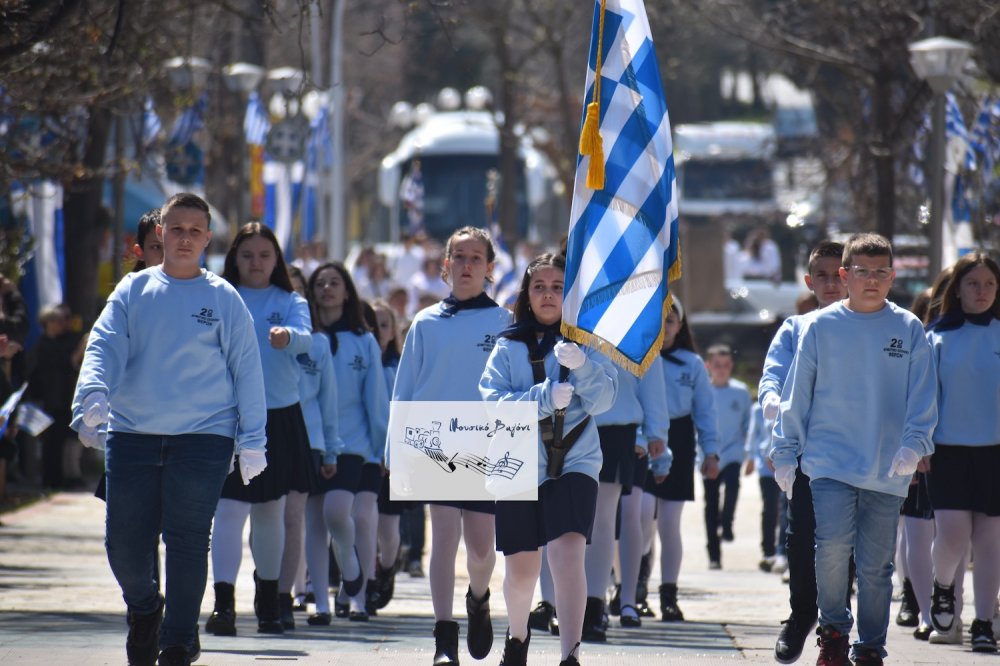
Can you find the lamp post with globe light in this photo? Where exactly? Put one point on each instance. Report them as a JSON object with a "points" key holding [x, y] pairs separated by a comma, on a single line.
{"points": [[938, 61]]}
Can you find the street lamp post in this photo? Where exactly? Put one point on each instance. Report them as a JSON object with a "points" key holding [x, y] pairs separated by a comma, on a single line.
{"points": [[242, 78], [938, 61]]}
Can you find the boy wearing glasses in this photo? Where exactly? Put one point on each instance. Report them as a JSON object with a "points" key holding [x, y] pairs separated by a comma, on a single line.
{"points": [[859, 406]]}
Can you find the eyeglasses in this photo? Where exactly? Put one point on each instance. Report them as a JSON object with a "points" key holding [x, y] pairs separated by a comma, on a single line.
{"points": [[879, 274]]}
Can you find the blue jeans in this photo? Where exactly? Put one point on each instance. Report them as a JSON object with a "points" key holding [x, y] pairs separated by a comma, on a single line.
{"points": [[850, 518], [170, 485]]}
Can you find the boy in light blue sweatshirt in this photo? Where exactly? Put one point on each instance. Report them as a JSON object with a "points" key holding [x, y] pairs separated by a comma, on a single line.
{"points": [[172, 380], [732, 413], [859, 406]]}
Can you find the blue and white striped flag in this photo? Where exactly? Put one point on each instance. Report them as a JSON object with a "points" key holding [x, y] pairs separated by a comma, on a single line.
{"points": [[256, 121], [319, 158], [622, 242], [985, 135], [954, 128]]}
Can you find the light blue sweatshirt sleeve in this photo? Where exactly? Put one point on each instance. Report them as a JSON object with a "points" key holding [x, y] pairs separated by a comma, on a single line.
{"points": [[243, 358], [106, 353], [376, 400], [759, 440], [796, 403], [921, 397], [653, 398], [496, 383], [703, 412], [410, 364], [299, 326], [595, 383], [327, 399], [778, 360]]}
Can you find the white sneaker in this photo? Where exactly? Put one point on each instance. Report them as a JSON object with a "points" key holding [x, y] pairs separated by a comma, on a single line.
{"points": [[780, 565], [951, 637]]}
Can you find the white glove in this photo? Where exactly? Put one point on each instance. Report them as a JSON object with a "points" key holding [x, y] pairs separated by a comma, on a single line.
{"points": [[562, 393], [784, 476], [92, 438], [252, 463], [95, 409], [904, 463], [770, 406], [569, 354]]}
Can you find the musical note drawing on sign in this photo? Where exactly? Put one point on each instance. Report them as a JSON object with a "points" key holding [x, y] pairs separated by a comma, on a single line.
{"points": [[428, 442], [506, 467]]}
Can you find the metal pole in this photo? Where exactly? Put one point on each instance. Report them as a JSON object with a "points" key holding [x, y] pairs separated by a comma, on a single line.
{"points": [[335, 235], [118, 190], [937, 187], [315, 44]]}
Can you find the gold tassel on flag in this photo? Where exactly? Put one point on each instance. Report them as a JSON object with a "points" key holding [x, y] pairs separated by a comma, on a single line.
{"points": [[591, 142]]}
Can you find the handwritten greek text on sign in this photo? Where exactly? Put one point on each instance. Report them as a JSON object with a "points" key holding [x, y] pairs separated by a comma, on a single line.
{"points": [[463, 451]]}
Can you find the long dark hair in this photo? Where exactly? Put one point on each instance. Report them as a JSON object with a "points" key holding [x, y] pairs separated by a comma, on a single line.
{"points": [[950, 302], [684, 338], [522, 306], [394, 349], [279, 276], [353, 317]]}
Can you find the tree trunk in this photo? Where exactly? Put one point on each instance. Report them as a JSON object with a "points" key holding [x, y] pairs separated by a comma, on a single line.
{"points": [[85, 221], [885, 163], [508, 141]]}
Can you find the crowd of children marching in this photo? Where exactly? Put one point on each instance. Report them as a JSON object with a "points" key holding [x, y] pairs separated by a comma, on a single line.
{"points": [[264, 394]]}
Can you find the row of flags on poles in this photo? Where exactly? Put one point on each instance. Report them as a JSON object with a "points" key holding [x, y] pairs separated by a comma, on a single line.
{"points": [[970, 153]]}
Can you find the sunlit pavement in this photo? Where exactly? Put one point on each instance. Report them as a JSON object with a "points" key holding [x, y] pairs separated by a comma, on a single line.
{"points": [[60, 605]]}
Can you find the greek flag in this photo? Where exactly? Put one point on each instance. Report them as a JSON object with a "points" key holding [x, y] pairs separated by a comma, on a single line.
{"points": [[622, 242], [985, 135], [319, 157], [954, 128], [256, 121], [189, 122]]}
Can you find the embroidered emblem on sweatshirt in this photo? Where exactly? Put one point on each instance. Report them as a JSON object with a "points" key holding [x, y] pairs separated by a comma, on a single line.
{"points": [[275, 318], [488, 343], [358, 364], [686, 380]]}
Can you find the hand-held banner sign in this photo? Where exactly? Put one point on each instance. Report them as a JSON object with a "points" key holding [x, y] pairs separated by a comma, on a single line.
{"points": [[622, 248]]}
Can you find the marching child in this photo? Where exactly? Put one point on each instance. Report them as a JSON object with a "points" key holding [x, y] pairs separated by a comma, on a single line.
{"points": [[255, 265], [443, 358], [861, 421], [174, 352], [526, 366], [732, 409], [823, 280]]}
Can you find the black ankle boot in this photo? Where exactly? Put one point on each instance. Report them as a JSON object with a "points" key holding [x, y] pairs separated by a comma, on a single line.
{"points": [[594, 628], [515, 652], [909, 609], [385, 583], [371, 598], [265, 605], [222, 622], [285, 612], [668, 603], [445, 643], [642, 588], [479, 638], [142, 644], [615, 605]]}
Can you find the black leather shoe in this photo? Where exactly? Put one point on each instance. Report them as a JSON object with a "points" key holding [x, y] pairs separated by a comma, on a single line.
{"points": [[445, 643], [174, 656], [515, 652], [792, 638], [222, 622], [539, 618], [285, 612], [318, 620], [594, 629], [629, 617]]}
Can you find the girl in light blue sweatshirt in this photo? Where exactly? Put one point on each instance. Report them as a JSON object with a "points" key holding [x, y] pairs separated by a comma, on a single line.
{"points": [[349, 490], [691, 408], [562, 518], [255, 265], [443, 358], [965, 346]]}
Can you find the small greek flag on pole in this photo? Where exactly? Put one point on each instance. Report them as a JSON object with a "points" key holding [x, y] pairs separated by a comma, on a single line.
{"points": [[622, 245]]}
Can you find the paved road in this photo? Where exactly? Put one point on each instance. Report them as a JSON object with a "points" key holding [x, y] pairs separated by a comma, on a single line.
{"points": [[60, 605]]}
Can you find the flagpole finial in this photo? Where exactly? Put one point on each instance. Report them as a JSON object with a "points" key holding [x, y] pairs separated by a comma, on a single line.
{"points": [[591, 142]]}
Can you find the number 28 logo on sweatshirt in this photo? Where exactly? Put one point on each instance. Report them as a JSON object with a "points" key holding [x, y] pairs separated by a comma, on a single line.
{"points": [[895, 348], [205, 316]]}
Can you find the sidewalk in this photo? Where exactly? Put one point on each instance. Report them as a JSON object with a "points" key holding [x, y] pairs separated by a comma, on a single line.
{"points": [[60, 605]]}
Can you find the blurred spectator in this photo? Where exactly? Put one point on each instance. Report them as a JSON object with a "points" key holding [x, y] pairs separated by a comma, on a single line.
{"points": [[410, 258], [310, 255], [14, 313], [51, 381], [428, 281], [760, 257], [378, 282], [399, 301]]}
